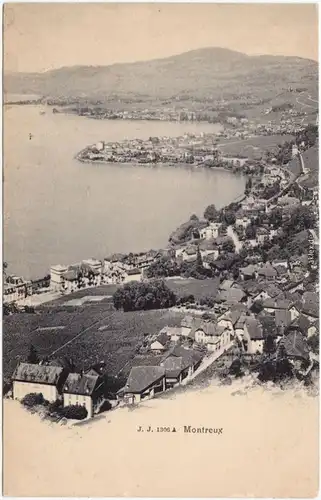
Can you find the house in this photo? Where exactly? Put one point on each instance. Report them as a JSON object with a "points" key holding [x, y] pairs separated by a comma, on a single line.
{"points": [[188, 323], [159, 344], [242, 220], [210, 258], [204, 332], [56, 279], [221, 339], [176, 369], [282, 319], [191, 357], [211, 231], [253, 335], [133, 275], [303, 324], [70, 280], [94, 265], [262, 234], [30, 378], [83, 389], [310, 306], [295, 346], [172, 332], [232, 296], [189, 254], [248, 272], [143, 383], [267, 272], [271, 305], [15, 289]]}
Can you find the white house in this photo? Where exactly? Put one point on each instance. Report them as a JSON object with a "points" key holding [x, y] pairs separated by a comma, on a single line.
{"points": [[41, 379], [133, 275], [211, 231], [83, 390], [56, 276]]}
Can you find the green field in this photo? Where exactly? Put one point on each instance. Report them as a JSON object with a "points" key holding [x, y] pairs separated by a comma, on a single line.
{"points": [[115, 343]]}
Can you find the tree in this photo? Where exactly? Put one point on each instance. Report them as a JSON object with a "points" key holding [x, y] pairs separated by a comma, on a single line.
{"points": [[269, 345], [229, 218], [33, 355], [74, 412], [210, 213], [137, 296], [250, 232], [228, 246], [283, 367]]}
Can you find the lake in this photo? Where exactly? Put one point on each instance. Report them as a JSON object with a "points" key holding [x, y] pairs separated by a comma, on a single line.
{"points": [[60, 211]]}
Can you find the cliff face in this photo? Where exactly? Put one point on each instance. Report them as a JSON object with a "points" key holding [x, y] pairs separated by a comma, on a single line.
{"points": [[198, 74]]}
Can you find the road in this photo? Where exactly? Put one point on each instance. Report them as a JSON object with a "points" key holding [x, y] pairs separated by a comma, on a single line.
{"points": [[207, 361], [232, 234]]}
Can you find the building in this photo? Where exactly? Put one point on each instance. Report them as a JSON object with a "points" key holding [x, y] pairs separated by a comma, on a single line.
{"points": [[133, 275], [253, 335], [56, 276], [143, 383], [159, 344], [83, 389], [15, 289], [176, 369], [41, 379], [211, 231]]}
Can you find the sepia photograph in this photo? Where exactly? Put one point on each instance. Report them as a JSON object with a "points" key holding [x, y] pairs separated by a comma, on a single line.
{"points": [[160, 284]]}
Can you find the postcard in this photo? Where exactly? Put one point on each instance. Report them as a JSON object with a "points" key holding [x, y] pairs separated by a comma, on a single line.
{"points": [[161, 244]]}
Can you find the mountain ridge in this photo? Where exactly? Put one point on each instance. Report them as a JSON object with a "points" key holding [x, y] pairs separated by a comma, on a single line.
{"points": [[198, 73]]}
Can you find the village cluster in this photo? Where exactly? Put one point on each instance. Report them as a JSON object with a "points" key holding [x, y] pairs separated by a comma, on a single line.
{"points": [[261, 305]]}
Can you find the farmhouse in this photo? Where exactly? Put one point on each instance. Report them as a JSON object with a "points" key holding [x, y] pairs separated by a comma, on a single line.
{"points": [[83, 390], [41, 379], [143, 382]]}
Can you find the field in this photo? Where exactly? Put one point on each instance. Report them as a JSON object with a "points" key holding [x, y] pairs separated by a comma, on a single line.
{"points": [[107, 290], [109, 336], [198, 288], [252, 148]]}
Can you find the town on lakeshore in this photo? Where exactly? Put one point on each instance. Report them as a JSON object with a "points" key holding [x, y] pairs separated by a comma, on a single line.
{"points": [[232, 295]]}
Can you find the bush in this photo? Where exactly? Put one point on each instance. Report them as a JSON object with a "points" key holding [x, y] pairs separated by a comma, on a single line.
{"points": [[55, 406], [74, 412], [33, 399], [106, 406]]}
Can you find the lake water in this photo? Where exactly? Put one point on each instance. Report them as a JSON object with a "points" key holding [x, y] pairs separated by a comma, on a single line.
{"points": [[58, 210]]}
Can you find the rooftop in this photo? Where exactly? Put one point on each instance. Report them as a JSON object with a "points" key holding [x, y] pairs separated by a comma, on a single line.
{"points": [[80, 384], [142, 377], [39, 374]]}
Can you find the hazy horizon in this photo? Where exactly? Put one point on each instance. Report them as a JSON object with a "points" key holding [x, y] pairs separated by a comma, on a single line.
{"points": [[43, 37]]}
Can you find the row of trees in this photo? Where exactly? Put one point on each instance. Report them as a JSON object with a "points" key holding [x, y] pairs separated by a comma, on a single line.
{"points": [[137, 296]]}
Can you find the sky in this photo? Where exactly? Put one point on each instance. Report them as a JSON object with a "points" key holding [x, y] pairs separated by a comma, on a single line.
{"points": [[39, 37]]}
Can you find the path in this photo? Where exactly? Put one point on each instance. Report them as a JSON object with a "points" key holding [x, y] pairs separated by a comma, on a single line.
{"points": [[76, 337], [206, 362], [232, 234]]}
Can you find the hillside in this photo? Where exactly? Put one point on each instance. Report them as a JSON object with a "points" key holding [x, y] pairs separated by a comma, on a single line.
{"points": [[202, 74]]}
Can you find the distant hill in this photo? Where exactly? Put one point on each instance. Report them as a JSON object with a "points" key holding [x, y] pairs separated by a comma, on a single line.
{"points": [[198, 74]]}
